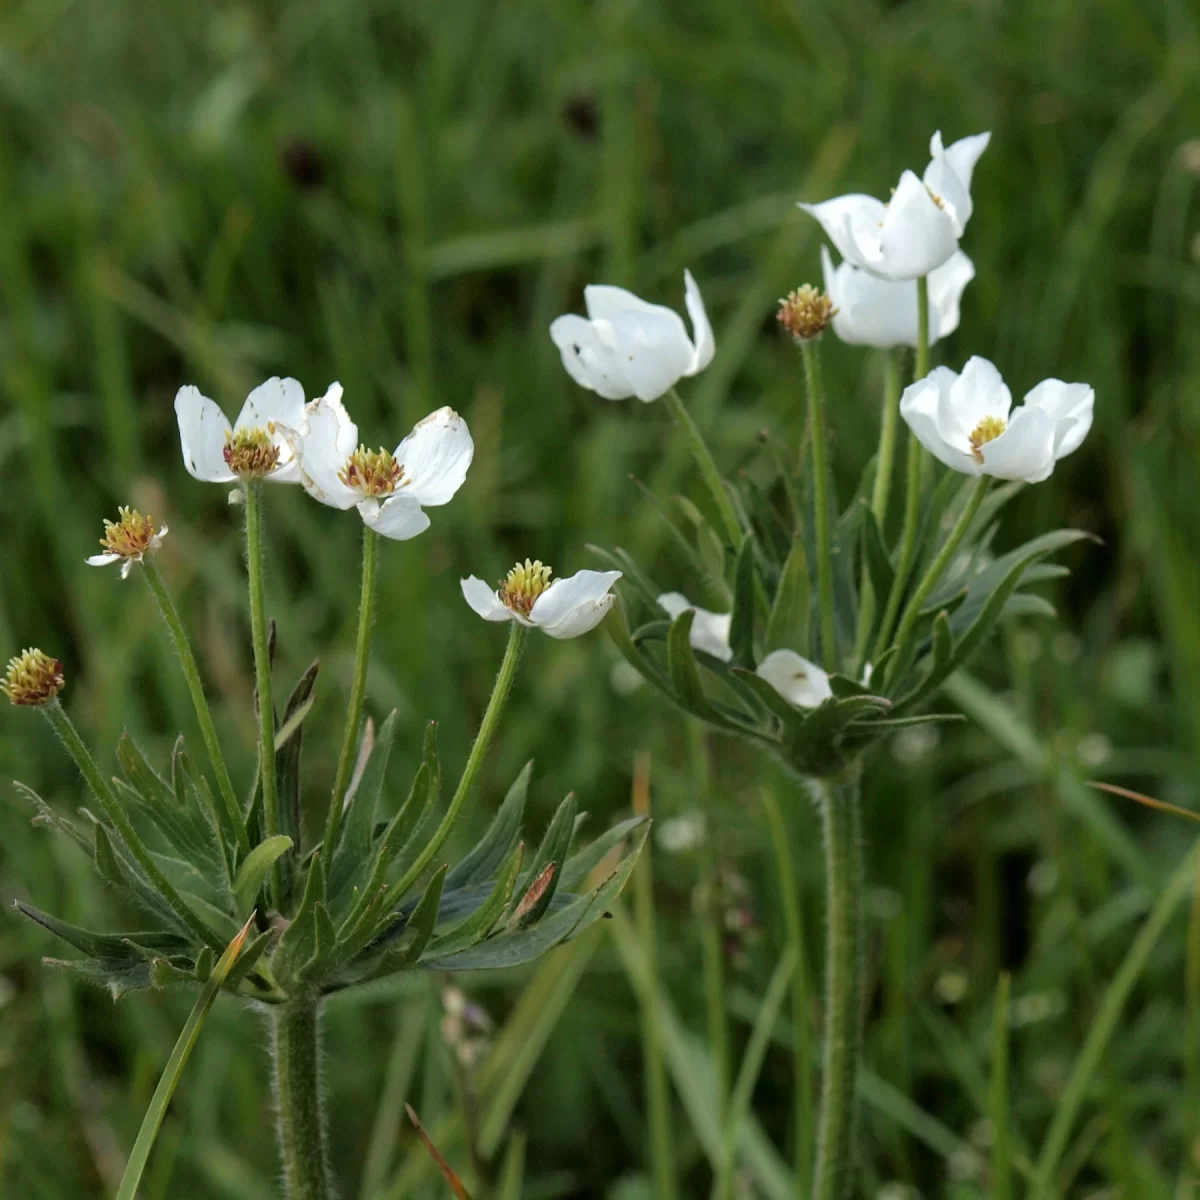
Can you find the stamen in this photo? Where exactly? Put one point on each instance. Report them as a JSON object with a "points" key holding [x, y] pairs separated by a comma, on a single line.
{"points": [[32, 678], [372, 472], [986, 431], [132, 536], [250, 453], [525, 583], [806, 312]]}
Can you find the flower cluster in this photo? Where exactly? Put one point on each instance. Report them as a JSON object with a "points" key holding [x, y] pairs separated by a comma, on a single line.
{"points": [[32, 678]]}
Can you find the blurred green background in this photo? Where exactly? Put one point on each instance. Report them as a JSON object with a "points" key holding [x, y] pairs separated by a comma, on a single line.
{"points": [[401, 197]]}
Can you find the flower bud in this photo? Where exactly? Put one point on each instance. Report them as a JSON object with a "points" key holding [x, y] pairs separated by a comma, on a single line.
{"points": [[806, 313], [32, 678]]}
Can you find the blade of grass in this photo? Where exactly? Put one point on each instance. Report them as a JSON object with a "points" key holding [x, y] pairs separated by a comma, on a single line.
{"points": [[998, 1100]]}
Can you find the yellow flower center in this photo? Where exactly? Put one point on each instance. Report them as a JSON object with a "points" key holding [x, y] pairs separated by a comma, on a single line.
{"points": [[372, 472], [250, 453], [806, 312], [525, 583], [936, 199], [32, 678], [131, 536], [986, 431]]}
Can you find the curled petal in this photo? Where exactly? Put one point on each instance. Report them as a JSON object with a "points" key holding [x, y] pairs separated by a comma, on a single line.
{"points": [[278, 401], [797, 680], [953, 196], [202, 431], [946, 286], [977, 394], [484, 601], [1025, 450], [964, 154], [710, 630], [328, 439], [102, 560], [604, 302], [1069, 406], [918, 236], [854, 224], [581, 619], [435, 457], [563, 596], [399, 517], [653, 348], [705, 345], [589, 360]]}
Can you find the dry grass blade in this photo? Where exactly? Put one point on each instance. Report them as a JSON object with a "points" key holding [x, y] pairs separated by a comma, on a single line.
{"points": [[1148, 801], [446, 1169]]}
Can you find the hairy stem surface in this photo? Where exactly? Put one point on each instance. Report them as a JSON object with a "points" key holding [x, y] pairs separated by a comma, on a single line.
{"points": [[299, 1103]]}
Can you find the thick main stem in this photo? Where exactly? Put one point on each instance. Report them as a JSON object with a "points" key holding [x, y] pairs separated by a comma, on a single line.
{"points": [[838, 801], [299, 1100], [262, 672], [708, 468], [810, 350], [483, 740], [191, 673], [358, 688]]}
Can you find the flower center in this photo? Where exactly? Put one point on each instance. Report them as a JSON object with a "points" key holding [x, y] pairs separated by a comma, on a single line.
{"points": [[372, 472], [936, 199], [986, 431], [525, 583], [250, 453], [131, 536], [32, 678], [806, 312]]}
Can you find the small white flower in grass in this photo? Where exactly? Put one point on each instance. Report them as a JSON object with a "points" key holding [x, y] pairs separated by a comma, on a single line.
{"points": [[128, 540], [565, 608], [882, 312], [919, 228], [710, 630], [626, 347], [967, 421], [257, 446], [389, 488], [797, 680]]}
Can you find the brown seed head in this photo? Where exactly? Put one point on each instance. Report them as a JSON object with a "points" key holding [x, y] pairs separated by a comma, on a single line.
{"points": [[806, 313], [32, 678]]}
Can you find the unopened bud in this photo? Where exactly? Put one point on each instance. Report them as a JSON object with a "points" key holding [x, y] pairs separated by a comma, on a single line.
{"points": [[806, 313]]}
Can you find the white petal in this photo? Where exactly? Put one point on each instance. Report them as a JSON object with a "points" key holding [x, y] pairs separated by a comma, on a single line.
{"points": [[101, 560], [920, 407], [917, 235], [702, 334], [871, 311], [127, 566], [854, 224], [1070, 406], [964, 154], [797, 680], [484, 600], [590, 361], [977, 394], [328, 439], [202, 430], [583, 618], [278, 401], [942, 180], [435, 457], [710, 630], [558, 601], [398, 517], [653, 347], [1025, 450], [946, 286], [603, 302]]}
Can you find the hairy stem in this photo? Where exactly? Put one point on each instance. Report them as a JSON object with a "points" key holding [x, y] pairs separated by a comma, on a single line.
{"points": [[262, 672], [199, 701], [708, 468], [838, 801], [299, 1102], [483, 740], [358, 688], [810, 350]]}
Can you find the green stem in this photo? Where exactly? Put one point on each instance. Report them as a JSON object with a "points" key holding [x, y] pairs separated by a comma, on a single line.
{"points": [[793, 922], [262, 672], [838, 801], [69, 736], [483, 740], [938, 568], [810, 351], [708, 468], [358, 688], [299, 1103], [885, 460], [199, 701], [921, 367]]}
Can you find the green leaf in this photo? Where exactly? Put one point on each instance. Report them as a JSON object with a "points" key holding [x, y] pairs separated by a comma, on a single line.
{"points": [[879, 567], [249, 958], [580, 866], [481, 922], [621, 560], [153, 1119], [741, 631], [422, 922], [253, 872], [552, 852], [787, 626], [358, 821], [1027, 604], [45, 815], [685, 676], [497, 844], [324, 943], [106, 859], [289, 748], [130, 947], [770, 697], [299, 940], [140, 774], [618, 629]]}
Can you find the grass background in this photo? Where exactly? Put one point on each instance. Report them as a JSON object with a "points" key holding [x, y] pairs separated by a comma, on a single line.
{"points": [[402, 197]]}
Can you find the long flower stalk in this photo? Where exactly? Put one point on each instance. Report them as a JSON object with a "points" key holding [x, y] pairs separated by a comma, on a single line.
{"points": [[810, 351], [707, 467], [299, 1103]]}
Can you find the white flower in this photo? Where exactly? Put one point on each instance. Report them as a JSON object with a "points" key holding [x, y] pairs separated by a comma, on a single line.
{"points": [[797, 680], [919, 228], [257, 446], [883, 313], [710, 630], [128, 540], [964, 421], [627, 347], [563, 609], [388, 487]]}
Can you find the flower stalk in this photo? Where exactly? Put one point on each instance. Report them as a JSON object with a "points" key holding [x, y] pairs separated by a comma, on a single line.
{"points": [[837, 798], [191, 673], [299, 1102], [358, 688], [704, 461], [262, 672], [810, 351]]}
